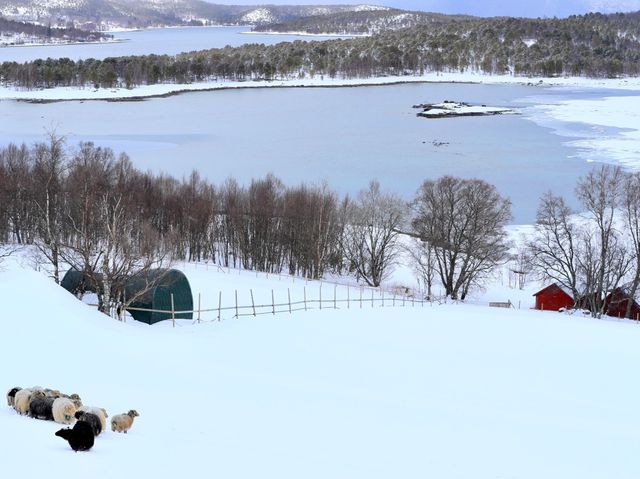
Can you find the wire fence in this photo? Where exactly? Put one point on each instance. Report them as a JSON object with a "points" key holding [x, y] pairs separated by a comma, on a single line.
{"points": [[301, 298], [236, 310]]}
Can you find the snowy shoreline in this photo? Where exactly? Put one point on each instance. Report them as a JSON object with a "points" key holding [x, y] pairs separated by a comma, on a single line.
{"points": [[612, 127], [59, 44], [167, 89]]}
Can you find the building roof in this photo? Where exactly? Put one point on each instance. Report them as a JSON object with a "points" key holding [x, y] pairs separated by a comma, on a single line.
{"points": [[564, 289]]}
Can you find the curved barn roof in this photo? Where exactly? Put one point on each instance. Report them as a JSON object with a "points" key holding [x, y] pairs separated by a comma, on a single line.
{"points": [[147, 290]]}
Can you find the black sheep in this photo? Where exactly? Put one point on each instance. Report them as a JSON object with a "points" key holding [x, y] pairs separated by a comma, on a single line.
{"points": [[80, 438], [42, 408], [92, 420], [11, 396]]}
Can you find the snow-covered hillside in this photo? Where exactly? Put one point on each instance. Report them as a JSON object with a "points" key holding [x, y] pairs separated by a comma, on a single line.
{"points": [[103, 14], [258, 15], [447, 391]]}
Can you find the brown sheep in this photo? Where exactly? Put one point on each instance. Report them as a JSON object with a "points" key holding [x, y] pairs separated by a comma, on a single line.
{"points": [[123, 422]]}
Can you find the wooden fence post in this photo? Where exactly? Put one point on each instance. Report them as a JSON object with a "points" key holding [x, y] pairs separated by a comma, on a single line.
{"points": [[289, 297], [273, 304], [320, 295], [219, 303], [199, 308], [382, 291], [237, 316], [173, 312], [304, 290], [335, 287], [360, 297], [253, 304], [372, 298], [348, 296]]}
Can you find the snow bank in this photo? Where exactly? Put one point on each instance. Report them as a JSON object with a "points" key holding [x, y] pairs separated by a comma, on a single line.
{"points": [[614, 127], [445, 391]]}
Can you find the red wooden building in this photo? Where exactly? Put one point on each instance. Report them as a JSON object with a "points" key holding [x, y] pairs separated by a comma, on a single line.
{"points": [[552, 298], [616, 304]]}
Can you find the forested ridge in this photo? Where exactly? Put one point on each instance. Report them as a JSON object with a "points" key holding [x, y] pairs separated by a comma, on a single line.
{"points": [[593, 45], [105, 14], [359, 22]]}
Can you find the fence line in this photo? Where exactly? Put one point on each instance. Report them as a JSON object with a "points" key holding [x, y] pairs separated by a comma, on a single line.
{"points": [[273, 308], [377, 299]]}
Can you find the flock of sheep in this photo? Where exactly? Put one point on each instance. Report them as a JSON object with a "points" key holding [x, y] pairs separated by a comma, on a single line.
{"points": [[52, 405]]}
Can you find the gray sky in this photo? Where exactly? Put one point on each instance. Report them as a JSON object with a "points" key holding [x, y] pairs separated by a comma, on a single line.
{"points": [[525, 8]]}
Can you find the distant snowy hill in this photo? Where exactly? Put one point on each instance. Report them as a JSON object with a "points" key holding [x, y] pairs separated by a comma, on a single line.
{"points": [[449, 391], [104, 14], [359, 21]]}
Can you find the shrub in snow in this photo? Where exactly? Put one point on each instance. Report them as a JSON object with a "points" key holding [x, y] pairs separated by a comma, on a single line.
{"points": [[123, 422], [64, 410], [11, 396], [80, 438], [91, 419]]}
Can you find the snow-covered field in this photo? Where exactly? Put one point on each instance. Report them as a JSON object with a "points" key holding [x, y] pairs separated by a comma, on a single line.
{"points": [[446, 391]]}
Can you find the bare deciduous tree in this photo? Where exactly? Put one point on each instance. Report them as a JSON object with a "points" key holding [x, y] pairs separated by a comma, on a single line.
{"points": [[463, 220], [371, 233], [424, 263], [553, 248], [600, 193], [48, 196], [631, 208], [586, 253]]}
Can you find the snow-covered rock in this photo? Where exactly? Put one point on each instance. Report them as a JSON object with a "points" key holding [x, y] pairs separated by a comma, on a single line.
{"points": [[451, 108]]}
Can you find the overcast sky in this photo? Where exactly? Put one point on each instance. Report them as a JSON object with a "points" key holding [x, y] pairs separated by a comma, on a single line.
{"points": [[526, 8]]}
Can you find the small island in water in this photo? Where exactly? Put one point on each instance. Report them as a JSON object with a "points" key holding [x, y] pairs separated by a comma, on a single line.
{"points": [[454, 108]]}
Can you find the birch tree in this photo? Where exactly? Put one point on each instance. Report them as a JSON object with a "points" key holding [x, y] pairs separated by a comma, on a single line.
{"points": [[370, 236]]}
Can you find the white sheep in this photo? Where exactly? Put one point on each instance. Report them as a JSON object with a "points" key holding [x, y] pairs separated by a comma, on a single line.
{"points": [[123, 422], [22, 399], [98, 411], [64, 411]]}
